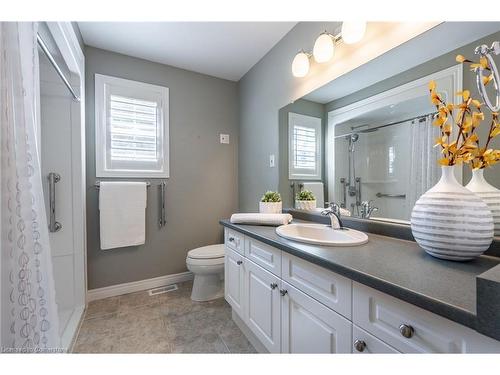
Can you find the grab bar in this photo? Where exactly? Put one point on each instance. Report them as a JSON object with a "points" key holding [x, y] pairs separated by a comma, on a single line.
{"points": [[344, 193], [382, 195], [54, 225], [358, 191], [162, 219]]}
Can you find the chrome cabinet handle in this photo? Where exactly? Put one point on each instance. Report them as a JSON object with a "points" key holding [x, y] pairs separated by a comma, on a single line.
{"points": [[360, 345], [54, 178], [283, 292], [406, 331], [274, 286], [239, 262]]}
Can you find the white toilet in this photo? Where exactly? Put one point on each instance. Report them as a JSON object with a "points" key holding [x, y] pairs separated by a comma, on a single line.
{"points": [[207, 265]]}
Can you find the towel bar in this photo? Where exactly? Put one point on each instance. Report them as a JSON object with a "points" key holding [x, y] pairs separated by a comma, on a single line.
{"points": [[98, 184], [382, 195]]}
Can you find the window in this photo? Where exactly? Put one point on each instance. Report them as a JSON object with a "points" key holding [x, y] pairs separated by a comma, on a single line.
{"points": [[304, 147], [131, 128]]}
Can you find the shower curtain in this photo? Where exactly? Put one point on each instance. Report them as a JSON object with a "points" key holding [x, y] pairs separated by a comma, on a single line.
{"points": [[424, 169], [29, 319]]}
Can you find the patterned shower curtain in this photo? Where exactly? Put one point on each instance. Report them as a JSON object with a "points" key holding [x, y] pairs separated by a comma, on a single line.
{"points": [[424, 169], [29, 319]]}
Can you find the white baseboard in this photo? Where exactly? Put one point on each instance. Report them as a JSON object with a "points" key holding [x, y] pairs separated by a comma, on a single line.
{"points": [[137, 286]]}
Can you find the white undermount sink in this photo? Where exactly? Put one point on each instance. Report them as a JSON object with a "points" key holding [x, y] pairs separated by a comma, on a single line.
{"points": [[320, 234]]}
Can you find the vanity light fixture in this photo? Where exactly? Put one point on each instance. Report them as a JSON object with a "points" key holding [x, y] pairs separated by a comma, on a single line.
{"points": [[300, 64], [353, 31], [324, 46]]}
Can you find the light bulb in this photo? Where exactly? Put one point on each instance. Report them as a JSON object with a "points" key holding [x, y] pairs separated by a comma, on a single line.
{"points": [[300, 64], [352, 32], [324, 47]]}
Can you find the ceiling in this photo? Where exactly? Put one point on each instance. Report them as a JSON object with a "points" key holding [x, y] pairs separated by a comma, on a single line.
{"points": [[221, 49]]}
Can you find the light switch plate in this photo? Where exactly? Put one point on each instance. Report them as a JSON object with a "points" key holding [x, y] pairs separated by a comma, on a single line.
{"points": [[271, 161], [224, 138]]}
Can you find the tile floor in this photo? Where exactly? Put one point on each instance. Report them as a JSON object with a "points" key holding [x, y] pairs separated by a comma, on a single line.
{"points": [[166, 323]]}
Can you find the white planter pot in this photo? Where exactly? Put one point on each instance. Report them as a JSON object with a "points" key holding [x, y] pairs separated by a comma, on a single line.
{"points": [[489, 194], [305, 205], [450, 222], [270, 207]]}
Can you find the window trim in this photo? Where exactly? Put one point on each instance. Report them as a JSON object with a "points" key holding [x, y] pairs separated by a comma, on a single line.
{"points": [[311, 122], [160, 93]]}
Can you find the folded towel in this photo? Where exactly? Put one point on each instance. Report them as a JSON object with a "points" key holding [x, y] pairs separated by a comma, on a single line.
{"points": [[261, 219], [122, 213]]}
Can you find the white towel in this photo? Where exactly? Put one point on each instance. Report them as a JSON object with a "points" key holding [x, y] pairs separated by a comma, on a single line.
{"points": [[261, 219], [122, 213]]}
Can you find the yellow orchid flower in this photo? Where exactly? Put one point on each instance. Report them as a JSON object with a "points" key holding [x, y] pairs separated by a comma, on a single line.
{"points": [[432, 85], [444, 161], [487, 79]]}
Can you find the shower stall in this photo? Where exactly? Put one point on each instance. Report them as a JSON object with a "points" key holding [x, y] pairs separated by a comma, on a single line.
{"points": [[61, 137]]}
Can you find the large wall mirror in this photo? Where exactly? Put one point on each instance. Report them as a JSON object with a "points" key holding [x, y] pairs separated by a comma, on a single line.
{"points": [[372, 151]]}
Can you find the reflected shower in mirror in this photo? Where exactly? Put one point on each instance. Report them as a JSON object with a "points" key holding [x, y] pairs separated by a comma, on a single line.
{"points": [[385, 163]]}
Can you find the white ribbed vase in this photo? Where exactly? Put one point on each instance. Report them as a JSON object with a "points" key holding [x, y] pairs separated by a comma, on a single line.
{"points": [[450, 222], [489, 194]]}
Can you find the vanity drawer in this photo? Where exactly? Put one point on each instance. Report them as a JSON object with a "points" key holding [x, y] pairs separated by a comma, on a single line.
{"points": [[266, 256], [327, 287], [385, 317], [234, 240], [369, 343]]}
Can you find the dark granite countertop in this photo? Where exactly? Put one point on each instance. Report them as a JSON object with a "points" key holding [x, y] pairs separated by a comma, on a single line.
{"points": [[399, 268]]}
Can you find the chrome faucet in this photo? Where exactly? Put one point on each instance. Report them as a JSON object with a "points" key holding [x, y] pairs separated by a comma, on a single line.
{"points": [[367, 209], [334, 212]]}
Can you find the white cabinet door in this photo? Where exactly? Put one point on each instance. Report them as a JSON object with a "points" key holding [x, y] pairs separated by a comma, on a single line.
{"points": [[234, 275], [308, 326], [262, 305]]}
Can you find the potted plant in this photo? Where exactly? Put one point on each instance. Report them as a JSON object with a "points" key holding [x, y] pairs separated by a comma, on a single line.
{"points": [[305, 200], [270, 203], [449, 221]]}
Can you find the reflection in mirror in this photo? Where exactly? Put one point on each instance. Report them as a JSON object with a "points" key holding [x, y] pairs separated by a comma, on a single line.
{"points": [[373, 161], [377, 155], [382, 159]]}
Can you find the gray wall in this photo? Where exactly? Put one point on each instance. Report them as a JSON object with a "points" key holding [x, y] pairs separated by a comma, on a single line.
{"points": [[203, 183], [303, 107], [267, 87], [422, 70]]}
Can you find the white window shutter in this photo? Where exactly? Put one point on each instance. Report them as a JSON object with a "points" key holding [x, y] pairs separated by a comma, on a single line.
{"points": [[304, 147], [132, 135]]}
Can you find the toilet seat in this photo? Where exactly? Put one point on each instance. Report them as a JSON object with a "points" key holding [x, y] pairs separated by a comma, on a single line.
{"points": [[207, 252], [205, 262]]}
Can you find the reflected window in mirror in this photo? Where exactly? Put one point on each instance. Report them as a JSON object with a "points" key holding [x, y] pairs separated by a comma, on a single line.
{"points": [[304, 145]]}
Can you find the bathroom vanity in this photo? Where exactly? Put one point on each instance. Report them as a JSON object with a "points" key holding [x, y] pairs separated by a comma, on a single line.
{"points": [[385, 296]]}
